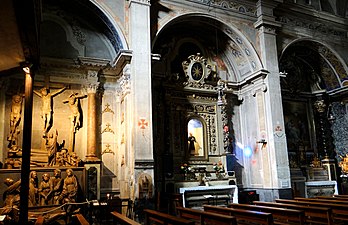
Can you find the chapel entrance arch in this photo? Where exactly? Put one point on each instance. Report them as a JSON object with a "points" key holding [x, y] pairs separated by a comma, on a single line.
{"points": [[179, 96], [312, 87]]}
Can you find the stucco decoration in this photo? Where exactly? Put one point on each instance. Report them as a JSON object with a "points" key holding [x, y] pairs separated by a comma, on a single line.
{"points": [[231, 6]]}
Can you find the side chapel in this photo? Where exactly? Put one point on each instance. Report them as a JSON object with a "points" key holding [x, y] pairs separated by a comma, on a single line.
{"points": [[140, 97]]}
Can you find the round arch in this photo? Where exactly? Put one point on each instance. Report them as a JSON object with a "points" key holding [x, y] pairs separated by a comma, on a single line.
{"points": [[334, 71], [234, 48], [111, 23]]}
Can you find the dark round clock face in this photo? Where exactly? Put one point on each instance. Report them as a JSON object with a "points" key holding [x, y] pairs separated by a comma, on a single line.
{"points": [[197, 71]]}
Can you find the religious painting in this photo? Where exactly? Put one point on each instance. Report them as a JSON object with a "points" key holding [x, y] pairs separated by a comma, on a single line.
{"points": [[195, 139], [297, 127]]}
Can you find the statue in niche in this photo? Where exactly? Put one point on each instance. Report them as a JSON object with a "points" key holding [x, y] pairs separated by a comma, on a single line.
{"points": [[33, 189], [45, 190], [57, 186], [195, 138], [46, 109], [74, 104], [15, 118], [193, 145]]}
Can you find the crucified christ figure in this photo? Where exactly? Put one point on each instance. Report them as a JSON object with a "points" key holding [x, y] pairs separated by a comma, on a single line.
{"points": [[46, 109], [74, 104], [15, 118]]}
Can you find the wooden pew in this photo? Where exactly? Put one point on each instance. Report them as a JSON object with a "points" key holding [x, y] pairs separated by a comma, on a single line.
{"points": [[341, 196], [154, 217], [339, 211], [313, 214], [81, 220], [333, 198], [280, 215], [337, 201], [243, 216], [122, 219], [202, 217]]}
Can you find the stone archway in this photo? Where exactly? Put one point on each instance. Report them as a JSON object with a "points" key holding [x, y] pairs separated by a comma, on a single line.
{"points": [[314, 75], [232, 58]]}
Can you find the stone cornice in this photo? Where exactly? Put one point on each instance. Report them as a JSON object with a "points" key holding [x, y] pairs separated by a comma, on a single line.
{"points": [[123, 58], [294, 10], [92, 62], [79, 63], [311, 25], [235, 6], [261, 74]]}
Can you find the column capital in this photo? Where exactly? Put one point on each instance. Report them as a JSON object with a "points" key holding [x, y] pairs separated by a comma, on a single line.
{"points": [[267, 28], [91, 87], [144, 2]]}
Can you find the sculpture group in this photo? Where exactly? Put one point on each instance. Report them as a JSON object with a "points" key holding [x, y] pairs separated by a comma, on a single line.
{"points": [[50, 190], [57, 154]]}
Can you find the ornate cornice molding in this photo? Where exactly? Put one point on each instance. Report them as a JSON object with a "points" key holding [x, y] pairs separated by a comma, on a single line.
{"points": [[312, 26], [231, 5]]}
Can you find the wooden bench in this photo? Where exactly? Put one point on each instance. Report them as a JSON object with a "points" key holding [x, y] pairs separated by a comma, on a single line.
{"points": [[243, 216], [122, 219], [313, 214], [202, 217], [341, 196], [81, 219], [155, 217], [333, 198], [339, 211], [280, 215], [334, 201]]}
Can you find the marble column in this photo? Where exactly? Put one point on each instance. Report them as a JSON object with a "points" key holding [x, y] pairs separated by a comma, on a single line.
{"points": [[91, 126], [92, 122]]}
